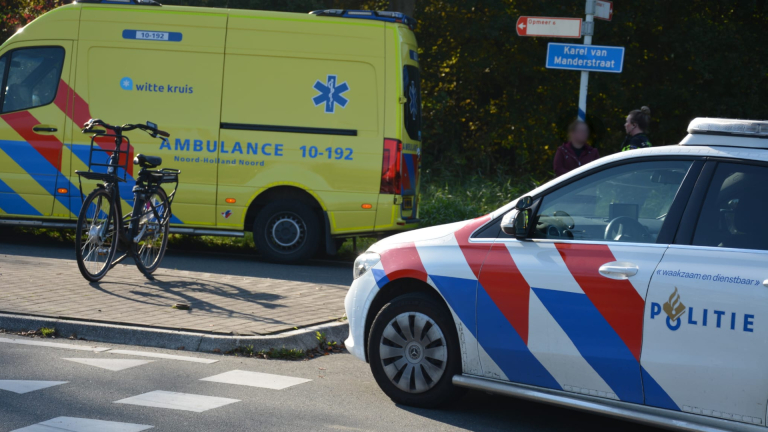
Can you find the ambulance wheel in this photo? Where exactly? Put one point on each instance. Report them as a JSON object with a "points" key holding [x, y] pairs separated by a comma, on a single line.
{"points": [[413, 349], [287, 232]]}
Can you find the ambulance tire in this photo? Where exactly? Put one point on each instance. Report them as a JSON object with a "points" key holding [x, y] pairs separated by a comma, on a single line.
{"points": [[441, 350], [287, 232]]}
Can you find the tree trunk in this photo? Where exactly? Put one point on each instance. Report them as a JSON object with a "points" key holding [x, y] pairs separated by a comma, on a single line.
{"points": [[405, 6]]}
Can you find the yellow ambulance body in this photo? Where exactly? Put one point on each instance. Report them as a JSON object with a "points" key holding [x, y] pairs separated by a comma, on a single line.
{"points": [[304, 129]]}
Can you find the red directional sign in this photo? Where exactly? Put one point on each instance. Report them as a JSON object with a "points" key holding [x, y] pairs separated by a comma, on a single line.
{"points": [[549, 27], [604, 10]]}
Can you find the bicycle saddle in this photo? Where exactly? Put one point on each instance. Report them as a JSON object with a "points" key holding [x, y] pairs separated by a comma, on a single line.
{"points": [[147, 161]]}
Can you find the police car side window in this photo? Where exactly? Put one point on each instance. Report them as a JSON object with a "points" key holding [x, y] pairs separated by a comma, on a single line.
{"points": [[735, 209], [33, 78], [625, 203]]}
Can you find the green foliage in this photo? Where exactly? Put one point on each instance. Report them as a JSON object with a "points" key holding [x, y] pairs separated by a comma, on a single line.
{"points": [[446, 198], [15, 14], [47, 332], [490, 104]]}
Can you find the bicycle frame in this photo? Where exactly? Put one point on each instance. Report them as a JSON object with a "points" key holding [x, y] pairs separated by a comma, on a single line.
{"points": [[147, 183]]}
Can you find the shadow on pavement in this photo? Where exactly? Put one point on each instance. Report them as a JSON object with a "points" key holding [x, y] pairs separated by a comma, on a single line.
{"points": [[315, 271], [478, 411]]}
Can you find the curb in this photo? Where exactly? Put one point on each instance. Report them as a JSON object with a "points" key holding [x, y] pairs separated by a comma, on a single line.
{"points": [[303, 339]]}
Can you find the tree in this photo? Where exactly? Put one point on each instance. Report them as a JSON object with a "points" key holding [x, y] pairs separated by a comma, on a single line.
{"points": [[15, 14], [405, 6]]}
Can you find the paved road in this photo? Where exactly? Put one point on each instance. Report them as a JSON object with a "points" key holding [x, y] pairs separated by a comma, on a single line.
{"points": [[333, 393]]}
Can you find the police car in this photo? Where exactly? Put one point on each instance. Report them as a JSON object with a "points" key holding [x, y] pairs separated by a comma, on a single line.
{"points": [[634, 287]]}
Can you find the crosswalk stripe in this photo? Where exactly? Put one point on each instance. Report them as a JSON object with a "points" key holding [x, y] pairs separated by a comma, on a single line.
{"points": [[74, 424], [178, 401], [53, 345], [164, 356], [26, 386], [256, 379], [110, 364]]}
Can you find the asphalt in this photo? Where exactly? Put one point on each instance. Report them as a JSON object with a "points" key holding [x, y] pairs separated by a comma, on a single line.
{"points": [[341, 396]]}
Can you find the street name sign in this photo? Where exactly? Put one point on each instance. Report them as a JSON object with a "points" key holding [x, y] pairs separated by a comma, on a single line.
{"points": [[592, 58], [549, 27], [604, 10]]}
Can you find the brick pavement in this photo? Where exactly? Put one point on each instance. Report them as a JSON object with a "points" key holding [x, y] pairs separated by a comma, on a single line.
{"points": [[219, 303]]}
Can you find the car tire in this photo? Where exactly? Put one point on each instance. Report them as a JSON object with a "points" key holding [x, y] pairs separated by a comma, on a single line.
{"points": [[287, 232], [415, 370]]}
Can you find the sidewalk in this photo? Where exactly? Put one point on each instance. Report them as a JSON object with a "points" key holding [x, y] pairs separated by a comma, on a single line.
{"points": [[220, 303]]}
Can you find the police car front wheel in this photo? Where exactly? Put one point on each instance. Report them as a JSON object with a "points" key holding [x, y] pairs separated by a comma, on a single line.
{"points": [[413, 349], [287, 232]]}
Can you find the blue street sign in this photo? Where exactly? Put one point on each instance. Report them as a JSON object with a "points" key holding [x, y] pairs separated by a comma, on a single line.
{"points": [[592, 58]]}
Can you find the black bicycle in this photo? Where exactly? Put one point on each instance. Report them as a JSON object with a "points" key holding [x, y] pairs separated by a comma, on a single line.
{"points": [[102, 229]]}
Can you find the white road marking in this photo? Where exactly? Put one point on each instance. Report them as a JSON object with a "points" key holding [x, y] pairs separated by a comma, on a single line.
{"points": [[256, 379], [110, 364], [179, 401], [53, 345], [73, 424], [26, 386], [163, 356]]}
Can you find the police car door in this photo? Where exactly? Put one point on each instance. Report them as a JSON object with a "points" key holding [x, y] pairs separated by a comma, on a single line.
{"points": [[706, 314], [34, 106], [575, 294]]}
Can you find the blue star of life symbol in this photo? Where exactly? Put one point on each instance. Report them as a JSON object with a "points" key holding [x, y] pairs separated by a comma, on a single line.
{"points": [[413, 105], [126, 83], [330, 94]]}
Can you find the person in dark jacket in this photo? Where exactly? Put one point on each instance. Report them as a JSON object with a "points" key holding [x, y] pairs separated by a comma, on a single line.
{"points": [[576, 152], [636, 126]]}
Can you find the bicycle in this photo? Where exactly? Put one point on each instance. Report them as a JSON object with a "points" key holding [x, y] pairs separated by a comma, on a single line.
{"points": [[102, 229]]}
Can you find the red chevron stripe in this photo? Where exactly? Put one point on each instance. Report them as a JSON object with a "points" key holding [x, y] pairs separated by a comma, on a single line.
{"points": [[617, 300], [507, 287], [47, 145], [403, 261], [474, 253], [77, 109]]}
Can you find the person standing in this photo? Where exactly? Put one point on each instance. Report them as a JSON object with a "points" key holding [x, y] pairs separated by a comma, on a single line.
{"points": [[637, 124], [576, 152]]}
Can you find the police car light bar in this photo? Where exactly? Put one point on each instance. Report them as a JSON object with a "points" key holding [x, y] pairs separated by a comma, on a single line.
{"points": [[719, 126], [386, 16]]}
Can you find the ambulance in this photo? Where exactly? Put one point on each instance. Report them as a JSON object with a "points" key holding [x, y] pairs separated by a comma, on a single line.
{"points": [[304, 129]]}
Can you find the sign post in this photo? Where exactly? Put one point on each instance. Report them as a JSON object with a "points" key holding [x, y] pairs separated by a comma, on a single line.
{"points": [[584, 84]]}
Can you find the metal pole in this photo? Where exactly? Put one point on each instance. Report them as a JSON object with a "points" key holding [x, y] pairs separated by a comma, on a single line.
{"points": [[590, 10]]}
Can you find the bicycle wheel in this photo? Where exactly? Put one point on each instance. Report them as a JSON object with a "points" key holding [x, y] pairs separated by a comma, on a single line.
{"points": [[96, 235], [151, 231]]}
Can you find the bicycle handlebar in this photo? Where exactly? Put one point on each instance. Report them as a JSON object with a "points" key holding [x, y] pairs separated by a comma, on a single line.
{"points": [[153, 131]]}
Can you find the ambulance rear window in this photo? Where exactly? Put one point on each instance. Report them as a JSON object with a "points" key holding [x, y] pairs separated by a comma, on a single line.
{"points": [[412, 108]]}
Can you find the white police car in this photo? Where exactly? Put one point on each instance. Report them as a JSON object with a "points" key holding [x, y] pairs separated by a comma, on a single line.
{"points": [[638, 290]]}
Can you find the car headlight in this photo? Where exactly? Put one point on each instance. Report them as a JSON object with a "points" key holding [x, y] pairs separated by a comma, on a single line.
{"points": [[364, 262]]}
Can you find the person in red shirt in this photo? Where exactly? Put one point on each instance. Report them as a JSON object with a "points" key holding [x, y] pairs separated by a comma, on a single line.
{"points": [[576, 152]]}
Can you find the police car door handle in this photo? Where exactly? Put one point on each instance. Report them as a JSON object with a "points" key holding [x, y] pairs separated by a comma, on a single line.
{"points": [[618, 270], [765, 283]]}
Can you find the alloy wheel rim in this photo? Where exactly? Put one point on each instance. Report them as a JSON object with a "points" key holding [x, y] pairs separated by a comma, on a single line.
{"points": [[413, 352]]}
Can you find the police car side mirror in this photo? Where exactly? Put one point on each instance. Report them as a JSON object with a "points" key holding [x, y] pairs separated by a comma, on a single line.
{"points": [[515, 223]]}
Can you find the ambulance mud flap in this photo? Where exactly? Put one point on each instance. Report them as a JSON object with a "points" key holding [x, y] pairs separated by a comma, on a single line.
{"points": [[330, 245]]}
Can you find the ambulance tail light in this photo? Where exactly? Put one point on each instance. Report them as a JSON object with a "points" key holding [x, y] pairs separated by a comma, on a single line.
{"points": [[390, 167]]}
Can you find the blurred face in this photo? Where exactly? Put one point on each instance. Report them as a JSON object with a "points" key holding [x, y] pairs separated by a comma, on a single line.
{"points": [[629, 126], [579, 135]]}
